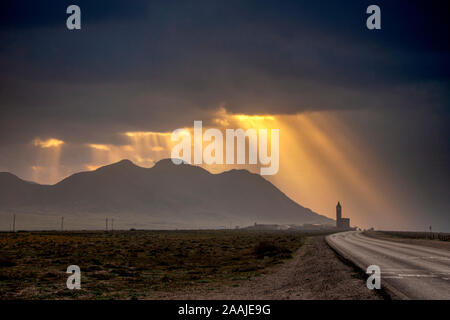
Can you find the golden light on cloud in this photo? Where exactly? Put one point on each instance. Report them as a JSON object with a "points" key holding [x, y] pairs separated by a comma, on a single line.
{"points": [[148, 145], [143, 148], [321, 162], [146, 134], [47, 167], [228, 120], [92, 168], [50, 143], [244, 117], [99, 147], [102, 154]]}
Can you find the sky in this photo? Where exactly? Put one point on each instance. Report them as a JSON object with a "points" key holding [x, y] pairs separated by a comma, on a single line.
{"points": [[363, 114]]}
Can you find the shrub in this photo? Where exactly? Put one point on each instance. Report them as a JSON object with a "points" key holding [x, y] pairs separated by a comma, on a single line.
{"points": [[5, 262], [270, 249]]}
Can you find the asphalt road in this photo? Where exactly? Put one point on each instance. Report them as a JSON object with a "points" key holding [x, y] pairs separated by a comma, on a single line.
{"points": [[407, 271]]}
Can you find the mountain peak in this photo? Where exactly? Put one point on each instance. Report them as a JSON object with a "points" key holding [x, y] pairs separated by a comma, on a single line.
{"points": [[168, 163], [125, 163], [7, 176]]}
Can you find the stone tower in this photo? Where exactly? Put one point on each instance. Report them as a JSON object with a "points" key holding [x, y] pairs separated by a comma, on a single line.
{"points": [[338, 215]]}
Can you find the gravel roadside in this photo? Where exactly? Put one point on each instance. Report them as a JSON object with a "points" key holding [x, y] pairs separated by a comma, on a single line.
{"points": [[314, 273]]}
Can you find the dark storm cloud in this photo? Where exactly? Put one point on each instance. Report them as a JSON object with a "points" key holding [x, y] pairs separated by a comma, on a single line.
{"points": [[159, 60], [251, 56], [44, 13]]}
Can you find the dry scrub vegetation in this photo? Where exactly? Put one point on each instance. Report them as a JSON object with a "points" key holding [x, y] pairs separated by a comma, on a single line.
{"points": [[135, 264]]}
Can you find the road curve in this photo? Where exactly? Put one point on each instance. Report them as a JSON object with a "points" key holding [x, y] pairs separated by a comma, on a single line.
{"points": [[407, 271]]}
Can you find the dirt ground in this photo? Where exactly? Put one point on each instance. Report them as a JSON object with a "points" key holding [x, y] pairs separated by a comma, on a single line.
{"points": [[314, 273], [135, 264]]}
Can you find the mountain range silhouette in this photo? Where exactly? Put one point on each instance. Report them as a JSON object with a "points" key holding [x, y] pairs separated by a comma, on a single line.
{"points": [[163, 196]]}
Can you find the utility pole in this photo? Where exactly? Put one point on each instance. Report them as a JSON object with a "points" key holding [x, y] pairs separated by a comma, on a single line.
{"points": [[62, 223], [14, 223], [106, 224], [112, 224]]}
